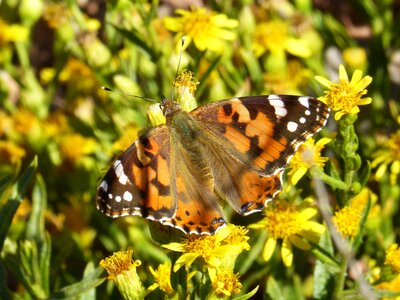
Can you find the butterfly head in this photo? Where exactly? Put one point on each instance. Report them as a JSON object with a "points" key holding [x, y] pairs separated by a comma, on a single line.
{"points": [[169, 107]]}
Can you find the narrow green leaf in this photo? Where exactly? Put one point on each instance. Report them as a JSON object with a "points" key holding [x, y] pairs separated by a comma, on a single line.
{"points": [[133, 36], [44, 263], [203, 79], [274, 290], [76, 289], [19, 273], [35, 229], [5, 184], [364, 174], [17, 194], [323, 275], [249, 295], [4, 293], [90, 273]]}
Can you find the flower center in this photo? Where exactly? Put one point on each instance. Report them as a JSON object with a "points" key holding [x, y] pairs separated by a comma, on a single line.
{"points": [[198, 24], [201, 245], [282, 221], [342, 96]]}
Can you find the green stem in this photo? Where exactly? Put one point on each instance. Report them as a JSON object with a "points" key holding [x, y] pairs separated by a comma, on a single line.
{"points": [[339, 282]]}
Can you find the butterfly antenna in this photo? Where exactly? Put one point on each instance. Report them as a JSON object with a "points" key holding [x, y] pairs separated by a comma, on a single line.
{"points": [[177, 69], [128, 95]]}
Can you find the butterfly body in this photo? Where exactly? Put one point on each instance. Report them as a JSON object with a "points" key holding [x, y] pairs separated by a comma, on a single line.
{"points": [[233, 150]]}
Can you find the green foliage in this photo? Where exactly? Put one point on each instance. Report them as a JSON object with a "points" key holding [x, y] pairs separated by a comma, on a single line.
{"points": [[59, 132]]}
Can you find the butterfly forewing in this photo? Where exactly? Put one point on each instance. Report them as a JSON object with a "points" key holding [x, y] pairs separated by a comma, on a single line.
{"points": [[138, 183]]}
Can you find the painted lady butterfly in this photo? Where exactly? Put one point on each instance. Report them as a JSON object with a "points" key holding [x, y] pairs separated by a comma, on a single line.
{"points": [[234, 149]]}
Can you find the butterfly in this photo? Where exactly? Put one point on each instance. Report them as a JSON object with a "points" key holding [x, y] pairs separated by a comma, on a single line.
{"points": [[233, 150]]}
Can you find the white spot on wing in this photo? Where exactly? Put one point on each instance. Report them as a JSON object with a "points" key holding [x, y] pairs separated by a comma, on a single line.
{"points": [[119, 172], [292, 126], [302, 120], [104, 186], [278, 104], [118, 198], [305, 101], [110, 196], [127, 196]]}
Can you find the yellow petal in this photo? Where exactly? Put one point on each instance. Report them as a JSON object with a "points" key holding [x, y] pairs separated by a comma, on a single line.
{"points": [[355, 79], [365, 101], [174, 247], [269, 248], [287, 253], [343, 74], [323, 141], [322, 80], [298, 174], [314, 227], [381, 171], [339, 115], [362, 84], [299, 243], [395, 168], [298, 47], [307, 213], [185, 259]]}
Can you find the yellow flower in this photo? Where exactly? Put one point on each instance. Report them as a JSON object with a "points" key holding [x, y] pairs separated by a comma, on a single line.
{"points": [[389, 155], [359, 201], [291, 223], [222, 248], [12, 33], [130, 134], [393, 286], [289, 82], [77, 74], [56, 14], [11, 153], [74, 146], [393, 258], [344, 96], [347, 219], [274, 36], [307, 156], [185, 86], [206, 29], [155, 114], [163, 278], [122, 269], [225, 283], [355, 57]]}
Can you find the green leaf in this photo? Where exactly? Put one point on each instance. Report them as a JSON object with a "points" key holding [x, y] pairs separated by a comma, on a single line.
{"points": [[274, 290], [323, 275], [249, 295], [17, 195], [134, 37], [362, 228], [203, 80], [76, 289], [35, 229], [5, 184], [364, 174], [90, 273], [4, 294]]}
